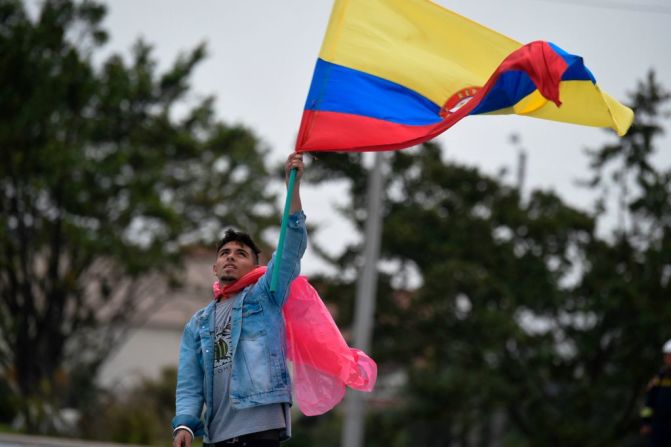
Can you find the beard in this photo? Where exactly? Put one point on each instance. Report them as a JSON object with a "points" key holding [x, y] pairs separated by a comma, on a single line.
{"points": [[227, 279]]}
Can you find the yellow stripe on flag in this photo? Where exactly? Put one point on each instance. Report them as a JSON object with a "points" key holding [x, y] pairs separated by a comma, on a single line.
{"points": [[414, 43], [437, 53]]}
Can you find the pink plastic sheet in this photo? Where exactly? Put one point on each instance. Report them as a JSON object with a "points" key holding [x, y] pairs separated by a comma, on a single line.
{"points": [[323, 364]]}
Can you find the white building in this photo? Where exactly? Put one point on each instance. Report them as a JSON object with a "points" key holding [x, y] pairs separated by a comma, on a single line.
{"points": [[153, 344]]}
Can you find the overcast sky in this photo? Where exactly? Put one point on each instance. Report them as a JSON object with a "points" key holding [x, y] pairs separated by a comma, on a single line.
{"points": [[262, 53]]}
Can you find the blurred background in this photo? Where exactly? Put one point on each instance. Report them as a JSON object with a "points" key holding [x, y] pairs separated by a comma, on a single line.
{"points": [[523, 288]]}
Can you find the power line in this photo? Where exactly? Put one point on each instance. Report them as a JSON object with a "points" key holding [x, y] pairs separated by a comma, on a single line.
{"points": [[626, 6]]}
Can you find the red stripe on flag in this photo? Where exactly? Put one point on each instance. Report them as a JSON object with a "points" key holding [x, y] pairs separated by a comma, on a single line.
{"points": [[541, 63], [353, 132]]}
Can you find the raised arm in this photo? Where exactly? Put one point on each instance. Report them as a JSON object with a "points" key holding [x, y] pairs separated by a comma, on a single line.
{"points": [[295, 240], [295, 160]]}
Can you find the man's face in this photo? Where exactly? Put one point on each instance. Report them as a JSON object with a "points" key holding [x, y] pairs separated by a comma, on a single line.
{"points": [[234, 260]]}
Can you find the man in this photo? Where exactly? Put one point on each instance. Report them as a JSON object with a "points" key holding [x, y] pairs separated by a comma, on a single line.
{"points": [[232, 354], [656, 414]]}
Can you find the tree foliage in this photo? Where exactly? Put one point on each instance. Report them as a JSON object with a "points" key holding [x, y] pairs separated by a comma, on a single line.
{"points": [[106, 170], [530, 326]]}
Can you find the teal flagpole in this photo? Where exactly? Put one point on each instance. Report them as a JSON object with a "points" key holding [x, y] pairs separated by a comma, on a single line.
{"points": [[283, 231]]}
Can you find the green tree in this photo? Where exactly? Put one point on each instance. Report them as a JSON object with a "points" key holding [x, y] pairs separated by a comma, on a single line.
{"points": [[610, 323], [106, 171], [138, 415], [529, 327]]}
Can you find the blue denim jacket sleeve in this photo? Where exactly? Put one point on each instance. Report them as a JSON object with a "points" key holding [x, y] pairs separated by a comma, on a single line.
{"points": [[189, 396], [295, 243]]}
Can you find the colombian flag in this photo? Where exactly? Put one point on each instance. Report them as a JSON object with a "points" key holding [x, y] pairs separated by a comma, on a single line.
{"points": [[394, 73]]}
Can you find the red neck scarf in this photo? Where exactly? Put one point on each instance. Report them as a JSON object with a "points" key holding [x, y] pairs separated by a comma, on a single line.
{"points": [[249, 278]]}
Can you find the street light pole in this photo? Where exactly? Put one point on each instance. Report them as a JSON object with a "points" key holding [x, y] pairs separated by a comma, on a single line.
{"points": [[353, 428]]}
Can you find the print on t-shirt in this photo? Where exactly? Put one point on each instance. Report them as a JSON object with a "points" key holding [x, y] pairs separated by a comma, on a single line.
{"points": [[222, 352]]}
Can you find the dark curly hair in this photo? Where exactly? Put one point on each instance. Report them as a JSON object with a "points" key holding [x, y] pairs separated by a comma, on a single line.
{"points": [[241, 238]]}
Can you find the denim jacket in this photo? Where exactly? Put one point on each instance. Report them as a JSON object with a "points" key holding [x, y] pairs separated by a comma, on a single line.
{"points": [[259, 373]]}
